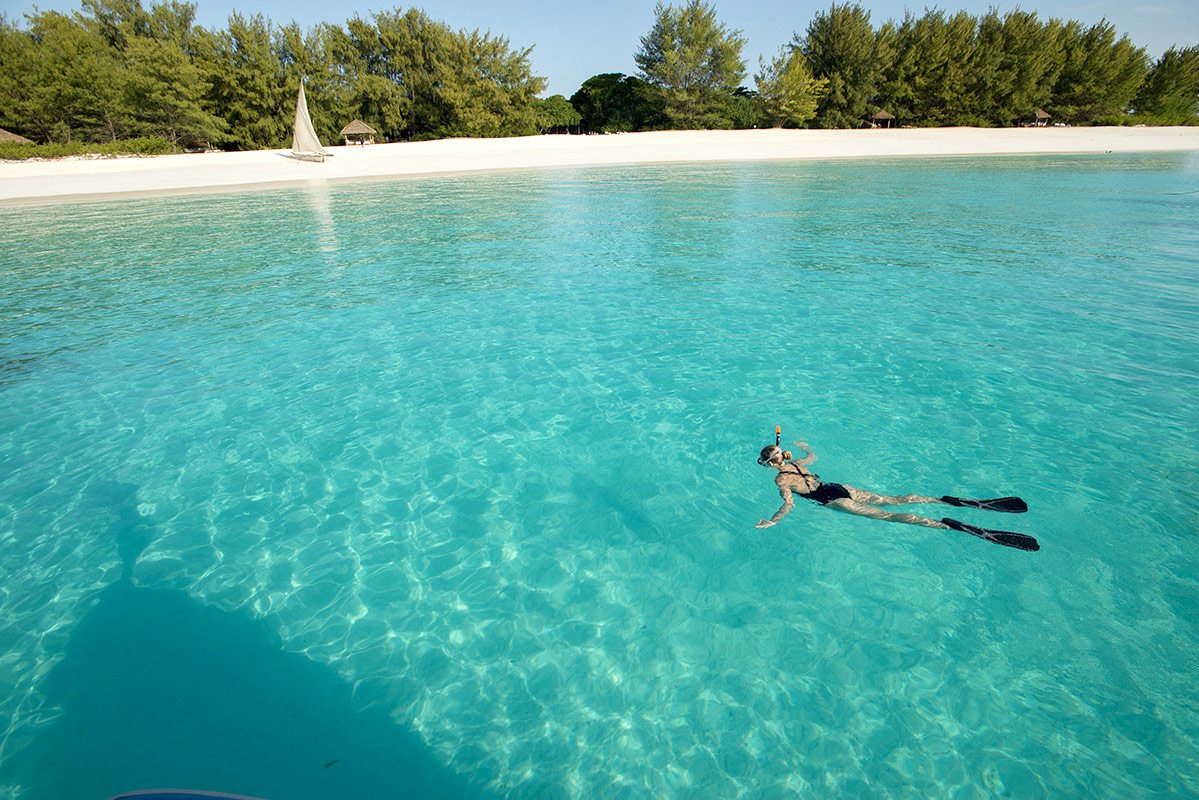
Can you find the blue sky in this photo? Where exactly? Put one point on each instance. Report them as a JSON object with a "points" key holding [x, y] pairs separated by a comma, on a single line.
{"points": [[572, 41]]}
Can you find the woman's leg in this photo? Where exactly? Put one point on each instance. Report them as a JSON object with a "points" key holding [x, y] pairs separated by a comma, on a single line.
{"points": [[864, 510], [872, 499]]}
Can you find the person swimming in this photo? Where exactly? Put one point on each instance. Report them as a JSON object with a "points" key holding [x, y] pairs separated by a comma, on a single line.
{"points": [[794, 478]]}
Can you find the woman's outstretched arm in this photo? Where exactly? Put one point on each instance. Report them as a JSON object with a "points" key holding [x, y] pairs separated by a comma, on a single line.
{"points": [[788, 502], [808, 457]]}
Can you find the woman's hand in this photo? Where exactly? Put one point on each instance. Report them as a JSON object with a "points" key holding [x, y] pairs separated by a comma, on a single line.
{"points": [[764, 523], [804, 445]]}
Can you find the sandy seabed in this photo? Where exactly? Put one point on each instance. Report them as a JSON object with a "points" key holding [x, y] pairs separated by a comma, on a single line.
{"points": [[71, 180]]}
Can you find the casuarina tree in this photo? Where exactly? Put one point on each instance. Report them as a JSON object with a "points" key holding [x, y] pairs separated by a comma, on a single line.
{"points": [[839, 46], [696, 60], [788, 91], [1171, 91]]}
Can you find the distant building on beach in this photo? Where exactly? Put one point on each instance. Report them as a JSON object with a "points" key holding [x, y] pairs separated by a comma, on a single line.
{"points": [[882, 119], [358, 132], [1040, 119], [9, 136]]}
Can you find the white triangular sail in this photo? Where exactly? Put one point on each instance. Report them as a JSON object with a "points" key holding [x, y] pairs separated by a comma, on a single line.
{"points": [[304, 142]]}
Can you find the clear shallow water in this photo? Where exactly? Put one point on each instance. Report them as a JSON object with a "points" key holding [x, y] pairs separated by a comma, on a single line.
{"points": [[481, 451]]}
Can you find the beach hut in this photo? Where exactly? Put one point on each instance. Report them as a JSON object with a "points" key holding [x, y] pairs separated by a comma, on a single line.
{"points": [[9, 136], [882, 119], [358, 132], [1041, 118]]}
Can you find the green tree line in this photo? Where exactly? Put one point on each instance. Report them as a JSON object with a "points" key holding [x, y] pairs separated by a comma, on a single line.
{"points": [[930, 70], [116, 70]]}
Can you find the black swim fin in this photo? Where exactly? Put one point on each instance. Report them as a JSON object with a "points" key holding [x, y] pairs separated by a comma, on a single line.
{"points": [[1012, 505], [1005, 538]]}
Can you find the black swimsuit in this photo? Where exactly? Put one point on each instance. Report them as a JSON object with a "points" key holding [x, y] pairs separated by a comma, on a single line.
{"points": [[824, 493]]}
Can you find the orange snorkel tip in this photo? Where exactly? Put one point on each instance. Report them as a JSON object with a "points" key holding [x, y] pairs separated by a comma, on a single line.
{"points": [[778, 435]]}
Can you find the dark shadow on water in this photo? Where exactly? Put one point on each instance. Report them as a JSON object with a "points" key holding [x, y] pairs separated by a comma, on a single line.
{"points": [[158, 690], [293, 157], [131, 530]]}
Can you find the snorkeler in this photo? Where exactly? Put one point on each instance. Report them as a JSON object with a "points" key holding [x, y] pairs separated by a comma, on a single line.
{"points": [[794, 477]]}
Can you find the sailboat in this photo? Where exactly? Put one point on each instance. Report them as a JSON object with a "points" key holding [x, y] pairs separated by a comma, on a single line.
{"points": [[304, 143]]}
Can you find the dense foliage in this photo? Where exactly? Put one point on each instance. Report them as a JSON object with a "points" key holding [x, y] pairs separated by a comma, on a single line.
{"points": [[613, 102], [116, 69], [839, 49], [696, 61], [787, 89], [933, 69], [1168, 95], [17, 151], [556, 114], [940, 69]]}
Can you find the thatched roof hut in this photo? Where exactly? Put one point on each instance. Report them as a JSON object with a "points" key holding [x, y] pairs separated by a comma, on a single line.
{"points": [[9, 136], [1041, 117], [358, 132], [882, 119]]}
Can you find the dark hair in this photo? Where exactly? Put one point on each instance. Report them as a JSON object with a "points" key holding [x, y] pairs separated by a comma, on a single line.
{"points": [[768, 453]]}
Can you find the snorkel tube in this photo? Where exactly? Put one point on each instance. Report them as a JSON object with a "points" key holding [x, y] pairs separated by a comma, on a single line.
{"points": [[778, 442], [765, 457]]}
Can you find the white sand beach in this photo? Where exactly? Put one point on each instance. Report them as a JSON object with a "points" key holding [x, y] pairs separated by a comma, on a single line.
{"points": [[70, 180]]}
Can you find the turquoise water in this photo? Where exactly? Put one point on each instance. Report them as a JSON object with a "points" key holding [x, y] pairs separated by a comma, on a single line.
{"points": [[450, 484]]}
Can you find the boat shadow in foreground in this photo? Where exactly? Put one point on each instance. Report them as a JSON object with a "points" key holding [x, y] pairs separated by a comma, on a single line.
{"points": [[159, 690]]}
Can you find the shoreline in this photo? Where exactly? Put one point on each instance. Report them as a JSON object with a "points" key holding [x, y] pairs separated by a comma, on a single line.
{"points": [[74, 180]]}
